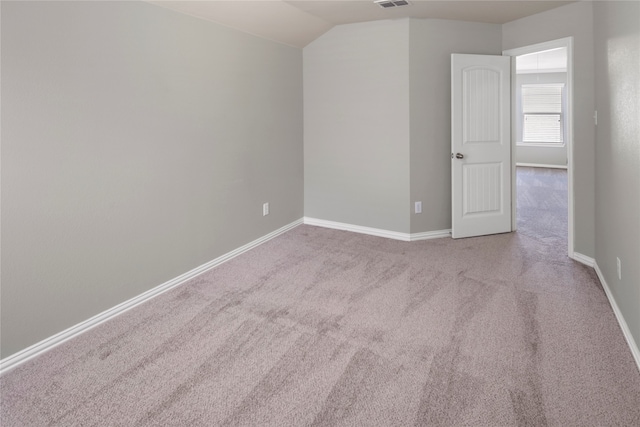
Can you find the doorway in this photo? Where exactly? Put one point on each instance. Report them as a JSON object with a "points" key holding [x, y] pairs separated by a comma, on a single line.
{"points": [[542, 125]]}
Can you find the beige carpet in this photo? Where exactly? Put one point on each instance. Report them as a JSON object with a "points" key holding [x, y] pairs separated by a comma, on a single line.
{"points": [[323, 327]]}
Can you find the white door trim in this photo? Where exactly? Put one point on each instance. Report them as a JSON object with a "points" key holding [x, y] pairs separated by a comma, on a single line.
{"points": [[568, 43]]}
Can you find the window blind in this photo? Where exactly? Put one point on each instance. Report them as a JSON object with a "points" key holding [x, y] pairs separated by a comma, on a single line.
{"points": [[542, 128], [541, 99], [542, 110]]}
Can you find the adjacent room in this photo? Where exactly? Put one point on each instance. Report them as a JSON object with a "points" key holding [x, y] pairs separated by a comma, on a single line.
{"points": [[247, 213], [541, 114]]}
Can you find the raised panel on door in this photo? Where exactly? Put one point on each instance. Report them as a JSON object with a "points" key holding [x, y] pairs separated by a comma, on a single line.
{"points": [[481, 101]]}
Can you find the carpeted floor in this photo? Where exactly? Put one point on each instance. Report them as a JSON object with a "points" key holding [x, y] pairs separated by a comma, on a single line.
{"points": [[542, 207], [323, 327]]}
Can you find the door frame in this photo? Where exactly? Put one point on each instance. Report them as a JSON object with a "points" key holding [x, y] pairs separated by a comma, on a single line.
{"points": [[566, 42]]}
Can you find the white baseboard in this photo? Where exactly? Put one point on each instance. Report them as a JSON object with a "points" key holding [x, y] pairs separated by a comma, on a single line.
{"points": [[588, 261], [45, 345], [584, 259], [357, 229], [406, 237], [635, 351], [430, 235], [540, 165]]}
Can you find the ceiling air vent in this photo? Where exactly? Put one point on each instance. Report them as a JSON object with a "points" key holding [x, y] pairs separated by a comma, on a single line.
{"points": [[386, 4]]}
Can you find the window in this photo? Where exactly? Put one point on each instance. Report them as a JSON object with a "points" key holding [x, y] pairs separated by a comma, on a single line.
{"points": [[542, 115]]}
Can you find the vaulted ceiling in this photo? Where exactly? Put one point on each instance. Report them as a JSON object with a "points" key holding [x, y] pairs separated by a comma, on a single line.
{"points": [[299, 22]]}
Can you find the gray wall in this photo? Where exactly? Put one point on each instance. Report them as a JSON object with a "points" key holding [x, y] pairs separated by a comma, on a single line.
{"points": [[551, 155], [356, 125], [377, 120], [137, 144], [575, 19], [617, 50], [432, 41]]}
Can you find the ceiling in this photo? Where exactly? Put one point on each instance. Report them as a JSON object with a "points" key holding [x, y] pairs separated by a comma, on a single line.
{"points": [[299, 22]]}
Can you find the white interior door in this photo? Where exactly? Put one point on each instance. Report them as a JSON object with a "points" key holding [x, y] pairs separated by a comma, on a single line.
{"points": [[480, 145]]}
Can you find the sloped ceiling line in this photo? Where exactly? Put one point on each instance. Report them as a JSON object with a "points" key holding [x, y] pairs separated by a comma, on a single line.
{"points": [[298, 22]]}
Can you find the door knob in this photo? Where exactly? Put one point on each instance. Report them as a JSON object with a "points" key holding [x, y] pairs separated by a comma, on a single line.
{"points": [[459, 156]]}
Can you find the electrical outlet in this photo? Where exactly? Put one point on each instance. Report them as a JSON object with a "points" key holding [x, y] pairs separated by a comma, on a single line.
{"points": [[619, 264], [418, 207], [265, 209]]}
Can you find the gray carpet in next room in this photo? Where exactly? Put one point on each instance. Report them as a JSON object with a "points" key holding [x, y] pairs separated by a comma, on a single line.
{"points": [[321, 327]]}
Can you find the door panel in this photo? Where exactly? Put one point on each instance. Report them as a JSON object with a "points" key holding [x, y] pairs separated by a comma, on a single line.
{"points": [[481, 186], [480, 145], [481, 101]]}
